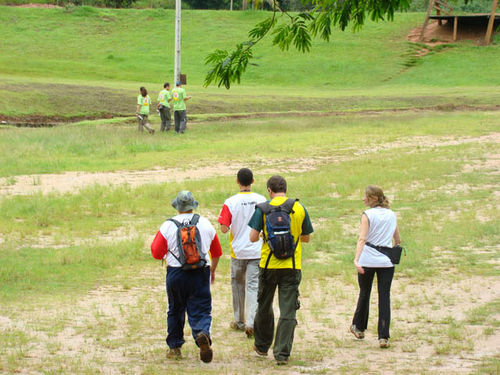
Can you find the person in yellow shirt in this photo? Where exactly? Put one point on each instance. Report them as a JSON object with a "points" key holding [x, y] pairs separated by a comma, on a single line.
{"points": [[280, 267], [142, 111], [164, 99]]}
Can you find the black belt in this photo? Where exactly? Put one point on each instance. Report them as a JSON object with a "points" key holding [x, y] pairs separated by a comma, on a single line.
{"points": [[379, 248]]}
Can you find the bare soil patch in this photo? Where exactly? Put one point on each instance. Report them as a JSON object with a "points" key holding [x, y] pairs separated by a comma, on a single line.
{"points": [[50, 6], [72, 182], [39, 121], [436, 34]]}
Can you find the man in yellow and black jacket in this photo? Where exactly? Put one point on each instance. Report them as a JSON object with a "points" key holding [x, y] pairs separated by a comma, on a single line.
{"points": [[284, 273]]}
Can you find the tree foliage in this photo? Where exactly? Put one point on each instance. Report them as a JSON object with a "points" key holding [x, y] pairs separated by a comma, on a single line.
{"points": [[227, 67]]}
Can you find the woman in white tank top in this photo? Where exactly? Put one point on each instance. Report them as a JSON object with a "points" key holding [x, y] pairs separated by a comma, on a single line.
{"points": [[378, 228]]}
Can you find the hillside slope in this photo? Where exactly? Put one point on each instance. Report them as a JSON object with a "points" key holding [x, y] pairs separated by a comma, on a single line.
{"points": [[82, 62]]}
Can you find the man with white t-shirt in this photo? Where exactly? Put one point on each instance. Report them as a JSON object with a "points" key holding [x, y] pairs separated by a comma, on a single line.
{"points": [[245, 255], [188, 290]]}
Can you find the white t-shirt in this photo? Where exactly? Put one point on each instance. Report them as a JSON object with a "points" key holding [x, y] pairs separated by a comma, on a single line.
{"points": [[169, 230], [236, 214], [383, 224]]}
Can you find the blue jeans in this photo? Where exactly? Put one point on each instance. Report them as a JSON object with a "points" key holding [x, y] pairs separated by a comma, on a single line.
{"points": [[188, 291]]}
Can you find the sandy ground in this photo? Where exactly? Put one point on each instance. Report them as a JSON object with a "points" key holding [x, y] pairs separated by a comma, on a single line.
{"points": [[97, 329], [73, 182]]}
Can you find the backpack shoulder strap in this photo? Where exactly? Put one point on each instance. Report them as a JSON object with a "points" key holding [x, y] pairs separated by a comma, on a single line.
{"points": [[288, 205], [265, 207], [177, 224], [194, 219]]}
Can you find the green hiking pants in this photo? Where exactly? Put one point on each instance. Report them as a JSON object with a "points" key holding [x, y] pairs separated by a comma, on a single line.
{"points": [[287, 280]]}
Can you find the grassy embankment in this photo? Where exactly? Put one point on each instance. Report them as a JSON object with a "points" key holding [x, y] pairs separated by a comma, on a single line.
{"points": [[90, 62]]}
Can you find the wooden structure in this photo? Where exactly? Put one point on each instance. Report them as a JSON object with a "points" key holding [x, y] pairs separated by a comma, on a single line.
{"points": [[445, 12]]}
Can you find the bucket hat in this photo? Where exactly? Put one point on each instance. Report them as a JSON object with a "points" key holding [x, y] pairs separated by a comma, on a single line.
{"points": [[184, 201]]}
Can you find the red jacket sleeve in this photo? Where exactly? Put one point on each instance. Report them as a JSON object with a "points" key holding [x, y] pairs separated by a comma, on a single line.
{"points": [[159, 247], [225, 216], [215, 248]]}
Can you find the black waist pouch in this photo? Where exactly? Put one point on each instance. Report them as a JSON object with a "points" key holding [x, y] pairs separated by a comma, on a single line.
{"points": [[393, 253]]}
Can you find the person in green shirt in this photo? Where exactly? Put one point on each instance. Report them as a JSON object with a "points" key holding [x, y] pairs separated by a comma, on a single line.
{"points": [[142, 111], [164, 99], [179, 98]]}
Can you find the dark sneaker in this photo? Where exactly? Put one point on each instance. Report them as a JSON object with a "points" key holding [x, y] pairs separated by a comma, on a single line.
{"points": [[259, 353], [249, 332], [383, 343], [282, 362], [174, 353], [356, 332], [206, 352]]}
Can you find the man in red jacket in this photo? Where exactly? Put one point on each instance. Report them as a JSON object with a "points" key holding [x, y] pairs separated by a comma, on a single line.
{"points": [[188, 290]]}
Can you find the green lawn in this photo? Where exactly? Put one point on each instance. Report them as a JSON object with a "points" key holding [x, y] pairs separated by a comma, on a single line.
{"points": [[90, 62]]}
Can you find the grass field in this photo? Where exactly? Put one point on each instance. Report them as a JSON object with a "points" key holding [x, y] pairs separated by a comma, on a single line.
{"points": [[90, 63], [81, 202]]}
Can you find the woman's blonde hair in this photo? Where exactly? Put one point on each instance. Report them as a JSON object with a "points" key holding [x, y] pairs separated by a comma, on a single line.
{"points": [[375, 194]]}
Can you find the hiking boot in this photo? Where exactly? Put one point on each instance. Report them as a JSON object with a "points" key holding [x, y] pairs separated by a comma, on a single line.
{"points": [[383, 343], [356, 332], [236, 326], [259, 353], [281, 362], [249, 332], [174, 353], [206, 352]]}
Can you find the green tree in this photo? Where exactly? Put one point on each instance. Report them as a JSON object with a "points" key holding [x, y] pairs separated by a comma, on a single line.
{"points": [[227, 67]]}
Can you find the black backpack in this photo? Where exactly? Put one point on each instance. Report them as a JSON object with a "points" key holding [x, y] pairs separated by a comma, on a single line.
{"points": [[278, 227], [189, 244]]}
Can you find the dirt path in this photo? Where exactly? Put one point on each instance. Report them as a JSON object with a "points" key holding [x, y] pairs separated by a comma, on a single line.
{"points": [[72, 182]]}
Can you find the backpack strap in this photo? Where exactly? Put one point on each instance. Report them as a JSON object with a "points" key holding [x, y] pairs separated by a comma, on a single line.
{"points": [[177, 224], [194, 219], [265, 207], [288, 205]]}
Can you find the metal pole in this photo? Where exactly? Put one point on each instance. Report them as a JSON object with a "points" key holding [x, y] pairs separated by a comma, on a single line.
{"points": [[177, 64], [231, 8]]}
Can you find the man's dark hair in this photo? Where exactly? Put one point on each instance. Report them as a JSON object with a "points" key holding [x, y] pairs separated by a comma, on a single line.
{"points": [[277, 184], [143, 90], [166, 84], [245, 176]]}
